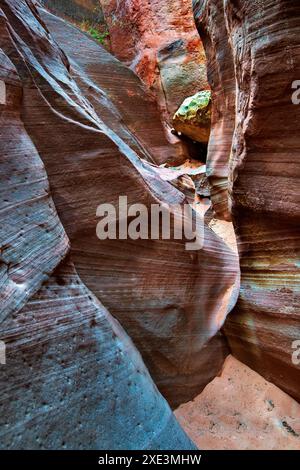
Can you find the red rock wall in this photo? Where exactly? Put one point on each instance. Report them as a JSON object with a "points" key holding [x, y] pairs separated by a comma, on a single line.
{"points": [[72, 378], [209, 17], [140, 292], [160, 43], [95, 139], [264, 179]]}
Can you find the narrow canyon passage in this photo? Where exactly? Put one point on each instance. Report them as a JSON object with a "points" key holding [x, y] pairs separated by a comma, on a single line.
{"points": [[163, 105]]}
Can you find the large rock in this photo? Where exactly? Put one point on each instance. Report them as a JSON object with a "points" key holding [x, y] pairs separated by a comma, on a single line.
{"points": [[264, 38], [125, 104], [241, 411], [209, 17], [32, 240], [193, 118], [159, 41], [72, 378], [160, 292]]}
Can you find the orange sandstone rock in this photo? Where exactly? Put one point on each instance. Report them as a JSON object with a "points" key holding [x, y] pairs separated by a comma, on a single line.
{"points": [[159, 41]]}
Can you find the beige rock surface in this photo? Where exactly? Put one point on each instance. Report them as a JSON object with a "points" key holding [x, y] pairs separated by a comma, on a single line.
{"points": [[240, 410]]}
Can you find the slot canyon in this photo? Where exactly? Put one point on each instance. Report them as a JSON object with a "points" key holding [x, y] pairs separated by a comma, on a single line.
{"points": [[149, 342]]}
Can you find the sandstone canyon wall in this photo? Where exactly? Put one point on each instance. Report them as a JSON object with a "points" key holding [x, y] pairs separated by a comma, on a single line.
{"points": [[254, 48], [77, 10], [159, 41], [78, 128], [209, 18], [65, 107], [73, 379]]}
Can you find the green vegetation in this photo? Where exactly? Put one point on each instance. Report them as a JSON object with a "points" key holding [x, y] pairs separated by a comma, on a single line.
{"points": [[193, 118], [94, 32], [196, 107], [100, 37]]}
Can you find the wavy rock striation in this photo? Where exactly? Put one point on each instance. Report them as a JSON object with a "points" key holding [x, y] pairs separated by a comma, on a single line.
{"points": [[209, 17], [32, 240], [261, 39], [79, 11], [72, 378], [193, 118], [96, 143]]}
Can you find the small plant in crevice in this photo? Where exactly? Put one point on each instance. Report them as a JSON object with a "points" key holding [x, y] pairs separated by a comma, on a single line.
{"points": [[94, 32], [100, 37]]}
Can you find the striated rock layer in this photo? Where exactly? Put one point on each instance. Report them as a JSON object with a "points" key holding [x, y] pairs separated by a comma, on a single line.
{"points": [[193, 118], [263, 40], [133, 278], [82, 123], [209, 17], [72, 378], [159, 41], [77, 10]]}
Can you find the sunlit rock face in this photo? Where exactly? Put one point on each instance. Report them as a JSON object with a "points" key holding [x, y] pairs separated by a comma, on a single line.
{"points": [[85, 113], [193, 118], [159, 41], [264, 176]]}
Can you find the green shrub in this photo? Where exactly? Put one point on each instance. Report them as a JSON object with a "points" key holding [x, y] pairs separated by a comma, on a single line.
{"points": [[100, 37]]}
